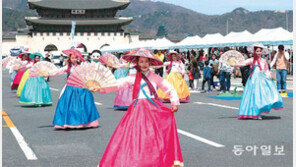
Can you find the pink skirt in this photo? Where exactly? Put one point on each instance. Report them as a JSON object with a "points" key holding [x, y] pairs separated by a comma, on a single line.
{"points": [[146, 136], [123, 98]]}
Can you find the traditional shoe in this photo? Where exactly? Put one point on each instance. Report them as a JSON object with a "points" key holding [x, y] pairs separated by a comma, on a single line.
{"points": [[285, 95]]}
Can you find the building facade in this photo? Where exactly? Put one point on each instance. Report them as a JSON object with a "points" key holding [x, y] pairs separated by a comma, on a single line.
{"points": [[96, 25]]}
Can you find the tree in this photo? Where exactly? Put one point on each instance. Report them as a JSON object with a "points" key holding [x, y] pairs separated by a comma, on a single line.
{"points": [[162, 32]]}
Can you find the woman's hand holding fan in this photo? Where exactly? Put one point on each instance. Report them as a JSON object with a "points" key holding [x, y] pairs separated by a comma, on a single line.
{"points": [[91, 76], [232, 62], [16, 68], [44, 73], [43, 68]]}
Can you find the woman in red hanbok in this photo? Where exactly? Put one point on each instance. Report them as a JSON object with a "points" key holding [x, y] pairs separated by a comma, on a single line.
{"points": [[147, 135]]}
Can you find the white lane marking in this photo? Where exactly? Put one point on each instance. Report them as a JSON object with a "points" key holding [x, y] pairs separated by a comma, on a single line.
{"points": [[54, 89], [97, 103], [200, 138], [218, 105], [24, 146]]}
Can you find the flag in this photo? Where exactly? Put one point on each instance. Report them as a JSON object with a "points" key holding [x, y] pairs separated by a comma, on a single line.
{"points": [[73, 32]]}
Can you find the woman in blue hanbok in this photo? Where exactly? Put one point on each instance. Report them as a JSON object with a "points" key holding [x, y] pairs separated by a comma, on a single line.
{"points": [[76, 107], [260, 93]]}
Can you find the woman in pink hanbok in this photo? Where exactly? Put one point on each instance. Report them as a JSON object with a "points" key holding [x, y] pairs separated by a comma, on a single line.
{"points": [[123, 97], [147, 135]]}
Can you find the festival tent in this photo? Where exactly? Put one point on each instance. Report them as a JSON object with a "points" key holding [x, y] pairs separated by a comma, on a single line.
{"points": [[212, 39], [271, 37], [277, 34], [160, 43], [238, 37], [189, 40]]}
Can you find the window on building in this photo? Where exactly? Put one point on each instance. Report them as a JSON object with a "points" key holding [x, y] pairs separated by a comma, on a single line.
{"points": [[61, 33], [54, 34], [81, 33], [88, 33], [103, 34]]}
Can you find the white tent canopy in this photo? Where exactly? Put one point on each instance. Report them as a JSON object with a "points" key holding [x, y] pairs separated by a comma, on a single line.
{"points": [[189, 40], [277, 34], [238, 37], [266, 36], [212, 38]]}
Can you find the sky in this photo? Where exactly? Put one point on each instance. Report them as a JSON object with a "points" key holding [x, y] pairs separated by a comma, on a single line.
{"points": [[213, 7]]}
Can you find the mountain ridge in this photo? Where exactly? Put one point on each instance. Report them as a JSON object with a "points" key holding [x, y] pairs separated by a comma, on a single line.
{"points": [[178, 21]]}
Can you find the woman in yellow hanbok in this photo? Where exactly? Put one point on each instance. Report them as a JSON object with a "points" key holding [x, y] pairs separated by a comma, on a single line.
{"points": [[176, 71]]}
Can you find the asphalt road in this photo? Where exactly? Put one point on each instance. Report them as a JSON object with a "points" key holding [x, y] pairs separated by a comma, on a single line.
{"points": [[212, 125]]}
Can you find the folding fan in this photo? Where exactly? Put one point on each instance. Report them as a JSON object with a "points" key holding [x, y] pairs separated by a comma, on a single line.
{"points": [[42, 68], [91, 76], [232, 57], [7, 60], [16, 64], [110, 60]]}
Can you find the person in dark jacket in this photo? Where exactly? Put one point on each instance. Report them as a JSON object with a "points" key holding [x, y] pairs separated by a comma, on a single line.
{"points": [[47, 57], [245, 71], [207, 76]]}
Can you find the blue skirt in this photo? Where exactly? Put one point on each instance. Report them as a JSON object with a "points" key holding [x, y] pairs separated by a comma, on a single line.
{"points": [[36, 91], [75, 107], [120, 73], [13, 76], [260, 95]]}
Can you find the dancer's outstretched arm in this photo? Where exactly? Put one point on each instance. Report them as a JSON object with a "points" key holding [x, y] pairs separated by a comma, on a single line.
{"points": [[120, 84], [60, 71]]}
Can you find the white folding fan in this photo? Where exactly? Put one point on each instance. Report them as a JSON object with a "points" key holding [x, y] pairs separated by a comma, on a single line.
{"points": [[8, 60], [232, 57], [43, 68], [91, 76]]}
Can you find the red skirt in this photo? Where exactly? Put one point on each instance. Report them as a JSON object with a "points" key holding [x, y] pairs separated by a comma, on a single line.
{"points": [[146, 136], [17, 80]]}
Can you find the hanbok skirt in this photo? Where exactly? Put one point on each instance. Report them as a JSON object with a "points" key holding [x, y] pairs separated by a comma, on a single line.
{"points": [[22, 83], [14, 72], [146, 136], [17, 80], [36, 91], [180, 85], [260, 96], [76, 109], [123, 97]]}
